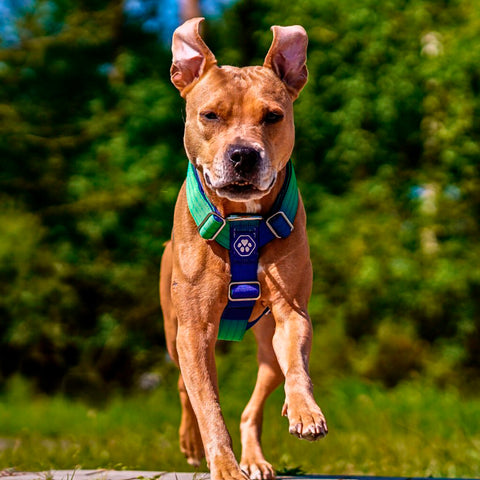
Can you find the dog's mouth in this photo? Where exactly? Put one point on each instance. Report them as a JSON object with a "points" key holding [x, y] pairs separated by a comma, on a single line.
{"points": [[239, 190]]}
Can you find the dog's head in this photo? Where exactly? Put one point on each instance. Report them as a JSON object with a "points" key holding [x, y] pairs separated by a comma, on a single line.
{"points": [[239, 129]]}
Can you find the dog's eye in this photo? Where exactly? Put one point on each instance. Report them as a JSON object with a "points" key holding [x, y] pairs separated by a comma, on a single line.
{"points": [[273, 117], [210, 116]]}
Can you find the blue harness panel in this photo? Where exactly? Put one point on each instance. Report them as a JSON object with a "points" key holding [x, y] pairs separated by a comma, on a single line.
{"points": [[244, 288]]}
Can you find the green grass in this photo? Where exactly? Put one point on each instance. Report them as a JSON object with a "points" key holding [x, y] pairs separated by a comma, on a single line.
{"points": [[413, 430]]}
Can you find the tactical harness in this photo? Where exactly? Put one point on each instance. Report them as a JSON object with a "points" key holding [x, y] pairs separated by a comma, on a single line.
{"points": [[243, 235]]}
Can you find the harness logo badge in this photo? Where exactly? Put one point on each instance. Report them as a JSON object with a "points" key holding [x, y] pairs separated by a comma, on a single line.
{"points": [[245, 245]]}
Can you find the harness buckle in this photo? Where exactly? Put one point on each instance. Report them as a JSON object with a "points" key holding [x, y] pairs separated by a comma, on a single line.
{"points": [[282, 217], [236, 296], [213, 227]]}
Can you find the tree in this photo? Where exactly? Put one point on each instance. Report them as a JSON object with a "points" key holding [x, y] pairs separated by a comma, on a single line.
{"points": [[90, 166], [386, 157]]}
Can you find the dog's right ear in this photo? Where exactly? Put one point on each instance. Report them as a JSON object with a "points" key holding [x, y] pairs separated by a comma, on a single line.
{"points": [[191, 57]]}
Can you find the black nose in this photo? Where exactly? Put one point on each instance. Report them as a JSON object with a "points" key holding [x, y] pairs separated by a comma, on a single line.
{"points": [[243, 158]]}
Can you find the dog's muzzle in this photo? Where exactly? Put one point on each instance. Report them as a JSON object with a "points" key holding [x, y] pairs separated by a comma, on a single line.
{"points": [[244, 174]]}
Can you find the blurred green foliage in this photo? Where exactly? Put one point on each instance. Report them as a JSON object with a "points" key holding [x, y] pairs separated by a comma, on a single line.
{"points": [[387, 150]]}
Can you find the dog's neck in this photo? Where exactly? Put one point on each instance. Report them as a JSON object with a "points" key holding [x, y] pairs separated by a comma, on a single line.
{"points": [[262, 206]]}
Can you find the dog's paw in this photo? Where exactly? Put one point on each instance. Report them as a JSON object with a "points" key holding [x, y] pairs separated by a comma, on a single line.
{"points": [[193, 452], [223, 465], [191, 443], [223, 473], [305, 421], [258, 469]]}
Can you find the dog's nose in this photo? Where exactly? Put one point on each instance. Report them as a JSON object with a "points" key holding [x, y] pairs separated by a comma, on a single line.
{"points": [[243, 158]]}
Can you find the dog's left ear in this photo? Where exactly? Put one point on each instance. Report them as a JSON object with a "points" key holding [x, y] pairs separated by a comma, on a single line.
{"points": [[287, 57]]}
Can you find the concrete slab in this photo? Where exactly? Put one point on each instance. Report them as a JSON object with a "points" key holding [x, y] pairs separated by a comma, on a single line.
{"points": [[101, 475], [11, 474]]}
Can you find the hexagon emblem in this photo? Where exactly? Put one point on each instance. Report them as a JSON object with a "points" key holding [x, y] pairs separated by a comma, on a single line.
{"points": [[244, 245]]}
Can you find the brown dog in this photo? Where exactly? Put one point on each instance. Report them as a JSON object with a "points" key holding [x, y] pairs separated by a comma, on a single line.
{"points": [[239, 135]]}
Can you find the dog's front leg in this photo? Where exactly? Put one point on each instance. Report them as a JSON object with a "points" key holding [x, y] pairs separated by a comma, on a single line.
{"points": [[196, 348], [292, 344]]}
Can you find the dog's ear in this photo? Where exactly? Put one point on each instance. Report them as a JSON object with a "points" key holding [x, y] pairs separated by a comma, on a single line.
{"points": [[191, 57], [287, 57]]}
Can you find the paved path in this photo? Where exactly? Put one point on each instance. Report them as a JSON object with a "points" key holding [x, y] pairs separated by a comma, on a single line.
{"points": [[100, 475], [11, 474]]}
